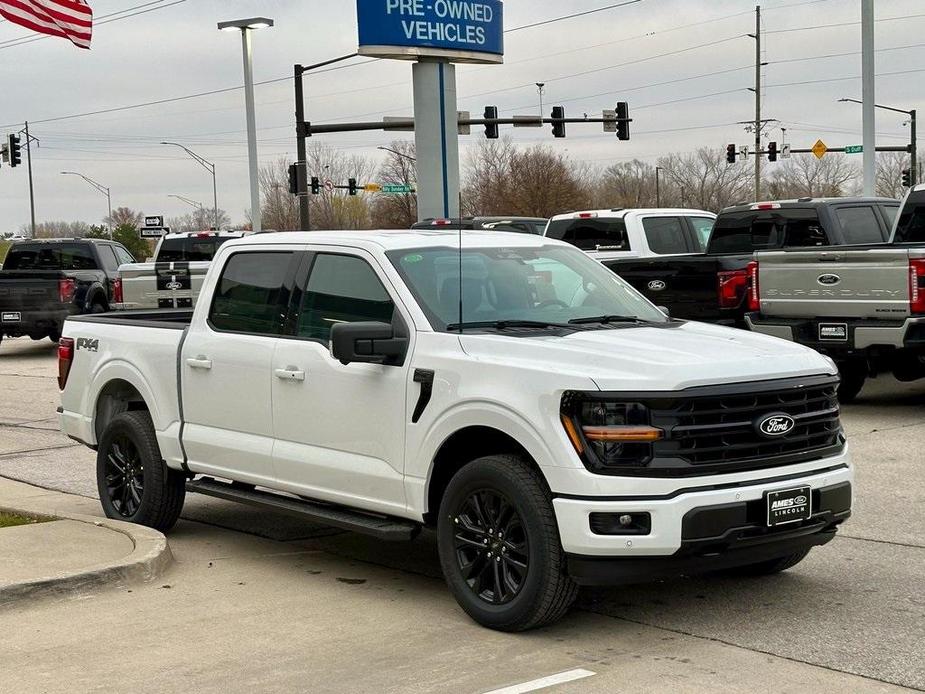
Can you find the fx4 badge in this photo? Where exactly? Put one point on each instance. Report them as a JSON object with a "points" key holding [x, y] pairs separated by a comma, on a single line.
{"points": [[88, 343]]}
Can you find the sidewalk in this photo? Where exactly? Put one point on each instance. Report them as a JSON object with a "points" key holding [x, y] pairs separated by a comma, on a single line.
{"points": [[77, 551]]}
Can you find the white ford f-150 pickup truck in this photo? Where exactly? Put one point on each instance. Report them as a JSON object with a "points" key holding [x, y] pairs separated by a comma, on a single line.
{"points": [[549, 423]]}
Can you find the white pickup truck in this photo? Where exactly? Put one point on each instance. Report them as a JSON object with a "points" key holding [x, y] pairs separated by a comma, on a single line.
{"points": [[551, 424], [174, 279]]}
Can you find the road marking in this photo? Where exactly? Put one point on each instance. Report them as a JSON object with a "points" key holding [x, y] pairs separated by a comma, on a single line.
{"points": [[543, 682]]}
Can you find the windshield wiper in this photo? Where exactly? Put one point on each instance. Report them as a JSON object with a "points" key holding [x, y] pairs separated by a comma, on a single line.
{"points": [[503, 324], [608, 319]]}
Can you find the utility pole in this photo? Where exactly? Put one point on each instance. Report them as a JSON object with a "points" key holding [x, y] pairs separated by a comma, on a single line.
{"points": [[913, 149], [868, 96], [758, 123], [658, 197], [31, 189], [301, 164]]}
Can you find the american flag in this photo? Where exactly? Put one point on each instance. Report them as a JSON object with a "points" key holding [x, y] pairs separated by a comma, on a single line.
{"points": [[70, 19]]}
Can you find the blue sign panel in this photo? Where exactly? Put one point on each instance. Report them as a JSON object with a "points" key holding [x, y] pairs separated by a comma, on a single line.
{"points": [[458, 30]]}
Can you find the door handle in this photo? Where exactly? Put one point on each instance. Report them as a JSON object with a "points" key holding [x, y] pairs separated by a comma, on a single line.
{"points": [[291, 374], [199, 362]]}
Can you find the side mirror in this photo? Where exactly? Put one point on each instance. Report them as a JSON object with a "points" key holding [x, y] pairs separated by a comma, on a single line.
{"points": [[367, 342], [665, 310]]}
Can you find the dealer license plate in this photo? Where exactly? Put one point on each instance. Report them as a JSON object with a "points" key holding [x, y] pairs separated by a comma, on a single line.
{"points": [[789, 506], [11, 317], [833, 332]]}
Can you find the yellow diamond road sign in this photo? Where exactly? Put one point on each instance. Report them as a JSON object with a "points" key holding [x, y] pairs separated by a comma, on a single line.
{"points": [[819, 149], [372, 188]]}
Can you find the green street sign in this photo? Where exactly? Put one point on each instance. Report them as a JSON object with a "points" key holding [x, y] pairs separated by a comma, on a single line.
{"points": [[396, 188], [854, 149]]}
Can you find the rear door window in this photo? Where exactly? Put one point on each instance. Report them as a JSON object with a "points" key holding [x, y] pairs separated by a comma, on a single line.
{"points": [[591, 234], [911, 225], [890, 212], [251, 296], [859, 224], [703, 226], [123, 255], [665, 235], [50, 256], [750, 230]]}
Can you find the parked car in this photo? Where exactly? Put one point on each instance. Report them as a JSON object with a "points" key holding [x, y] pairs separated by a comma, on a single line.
{"points": [[711, 286], [43, 281], [522, 225], [864, 306], [637, 233], [174, 278], [551, 424]]}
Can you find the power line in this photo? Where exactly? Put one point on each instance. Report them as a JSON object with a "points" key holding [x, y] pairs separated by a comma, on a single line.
{"points": [[842, 79], [841, 24], [572, 16]]}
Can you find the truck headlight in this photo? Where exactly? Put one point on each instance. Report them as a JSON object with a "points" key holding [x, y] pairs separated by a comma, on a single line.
{"points": [[606, 433]]}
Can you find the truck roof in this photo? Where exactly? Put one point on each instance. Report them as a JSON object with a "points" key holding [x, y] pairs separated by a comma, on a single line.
{"points": [[619, 213], [804, 202], [391, 239], [62, 240]]}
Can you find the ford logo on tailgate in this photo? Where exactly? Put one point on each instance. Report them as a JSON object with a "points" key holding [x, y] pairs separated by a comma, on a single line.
{"points": [[657, 285], [828, 279], [775, 425]]}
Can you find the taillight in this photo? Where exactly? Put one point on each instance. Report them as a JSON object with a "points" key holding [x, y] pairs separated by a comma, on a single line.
{"points": [[917, 286], [731, 288], [117, 290], [66, 290], [754, 304], [65, 357]]}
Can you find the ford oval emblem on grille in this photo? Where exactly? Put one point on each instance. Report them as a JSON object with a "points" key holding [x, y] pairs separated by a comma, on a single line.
{"points": [[828, 279], [657, 285], [775, 425]]}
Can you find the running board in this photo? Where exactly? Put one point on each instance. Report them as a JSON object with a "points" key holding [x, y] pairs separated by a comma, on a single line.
{"points": [[382, 527]]}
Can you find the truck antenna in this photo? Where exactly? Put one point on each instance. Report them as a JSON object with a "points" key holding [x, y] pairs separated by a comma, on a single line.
{"points": [[460, 224]]}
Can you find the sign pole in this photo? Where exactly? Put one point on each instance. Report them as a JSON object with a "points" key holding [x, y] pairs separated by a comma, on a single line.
{"points": [[302, 164], [436, 139]]}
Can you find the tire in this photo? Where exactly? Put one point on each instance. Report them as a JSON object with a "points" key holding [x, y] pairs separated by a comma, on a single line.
{"points": [[54, 334], [153, 494], [97, 307], [528, 532], [853, 375], [771, 566]]}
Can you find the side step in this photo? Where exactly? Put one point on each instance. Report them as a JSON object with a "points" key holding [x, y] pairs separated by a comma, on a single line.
{"points": [[382, 527]]}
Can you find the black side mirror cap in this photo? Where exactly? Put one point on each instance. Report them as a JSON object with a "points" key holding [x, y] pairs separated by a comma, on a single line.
{"points": [[367, 342]]}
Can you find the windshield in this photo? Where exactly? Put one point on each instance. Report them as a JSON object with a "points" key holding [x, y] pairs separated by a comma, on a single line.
{"points": [[547, 284], [191, 248]]}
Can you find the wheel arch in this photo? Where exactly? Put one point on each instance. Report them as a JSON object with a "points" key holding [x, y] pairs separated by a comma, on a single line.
{"points": [[117, 396]]}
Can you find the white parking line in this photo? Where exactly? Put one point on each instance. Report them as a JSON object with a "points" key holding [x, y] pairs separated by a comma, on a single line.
{"points": [[543, 682]]}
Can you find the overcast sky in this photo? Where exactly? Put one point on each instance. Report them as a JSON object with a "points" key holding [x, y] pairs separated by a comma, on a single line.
{"points": [[176, 50]]}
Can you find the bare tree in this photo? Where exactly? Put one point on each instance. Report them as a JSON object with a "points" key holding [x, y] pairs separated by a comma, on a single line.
{"points": [[279, 209], [397, 211], [890, 167], [202, 219], [628, 184], [56, 229], [704, 180], [329, 210], [124, 215], [805, 175]]}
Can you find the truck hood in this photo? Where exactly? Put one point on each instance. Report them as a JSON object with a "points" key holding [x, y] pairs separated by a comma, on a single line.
{"points": [[650, 358]]}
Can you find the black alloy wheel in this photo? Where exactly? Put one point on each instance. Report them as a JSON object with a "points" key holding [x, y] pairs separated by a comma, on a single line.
{"points": [[125, 476], [492, 546]]}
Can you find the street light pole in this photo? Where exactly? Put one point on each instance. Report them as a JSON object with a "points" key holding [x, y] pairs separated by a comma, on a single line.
{"points": [[913, 147], [102, 189], [208, 166], [397, 153], [246, 26], [197, 205]]}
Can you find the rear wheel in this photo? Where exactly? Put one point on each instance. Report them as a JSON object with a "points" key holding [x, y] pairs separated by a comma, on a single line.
{"points": [[134, 483], [499, 546], [853, 375], [54, 333], [771, 566]]}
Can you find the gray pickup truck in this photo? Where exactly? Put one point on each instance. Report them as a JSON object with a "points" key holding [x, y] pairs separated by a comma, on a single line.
{"points": [[863, 306]]}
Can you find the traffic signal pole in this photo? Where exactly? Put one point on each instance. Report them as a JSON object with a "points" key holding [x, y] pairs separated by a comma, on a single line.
{"points": [[758, 123], [302, 164]]}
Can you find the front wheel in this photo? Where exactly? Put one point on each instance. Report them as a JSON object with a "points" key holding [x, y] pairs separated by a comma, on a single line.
{"points": [[134, 483], [499, 546]]}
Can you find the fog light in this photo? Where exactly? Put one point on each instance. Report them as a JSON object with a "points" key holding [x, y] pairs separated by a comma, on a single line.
{"points": [[621, 523]]}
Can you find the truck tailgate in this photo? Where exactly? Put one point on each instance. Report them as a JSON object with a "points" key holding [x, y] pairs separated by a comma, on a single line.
{"points": [[859, 283], [162, 285], [26, 290]]}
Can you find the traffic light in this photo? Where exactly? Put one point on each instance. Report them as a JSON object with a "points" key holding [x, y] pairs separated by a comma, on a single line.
{"points": [[772, 151], [294, 179], [558, 127], [491, 129], [907, 178], [623, 120], [15, 151], [730, 154], [351, 186], [316, 185]]}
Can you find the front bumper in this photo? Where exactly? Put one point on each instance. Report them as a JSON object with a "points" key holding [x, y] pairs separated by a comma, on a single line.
{"points": [[715, 518], [863, 335]]}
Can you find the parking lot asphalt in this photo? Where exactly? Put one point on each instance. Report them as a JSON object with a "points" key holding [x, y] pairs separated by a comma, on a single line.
{"points": [[851, 616]]}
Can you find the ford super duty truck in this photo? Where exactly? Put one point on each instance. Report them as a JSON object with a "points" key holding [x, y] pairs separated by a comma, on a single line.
{"points": [[549, 423], [864, 306]]}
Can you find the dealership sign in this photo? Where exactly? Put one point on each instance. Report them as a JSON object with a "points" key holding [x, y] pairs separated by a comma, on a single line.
{"points": [[464, 31]]}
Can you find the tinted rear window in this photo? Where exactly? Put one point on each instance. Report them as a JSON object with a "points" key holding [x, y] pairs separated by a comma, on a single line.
{"points": [[191, 249], [665, 235], [50, 256], [911, 225], [590, 234], [750, 230], [859, 224]]}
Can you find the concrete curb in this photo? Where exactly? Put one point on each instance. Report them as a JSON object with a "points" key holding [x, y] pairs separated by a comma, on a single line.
{"points": [[149, 559]]}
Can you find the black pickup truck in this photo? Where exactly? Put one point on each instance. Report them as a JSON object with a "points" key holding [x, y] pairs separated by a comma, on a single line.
{"points": [[712, 286], [43, 281]]}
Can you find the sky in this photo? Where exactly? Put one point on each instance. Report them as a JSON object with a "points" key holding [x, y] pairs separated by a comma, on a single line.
{"points": [[684, 66]]}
